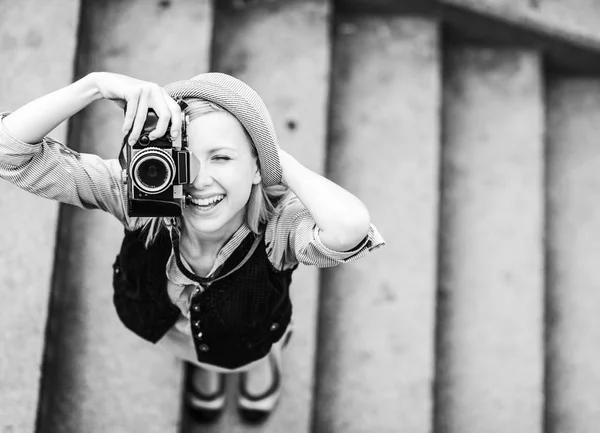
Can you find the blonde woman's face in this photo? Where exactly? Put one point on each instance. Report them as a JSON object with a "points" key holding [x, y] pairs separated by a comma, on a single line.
{"points": [[221, 190]]}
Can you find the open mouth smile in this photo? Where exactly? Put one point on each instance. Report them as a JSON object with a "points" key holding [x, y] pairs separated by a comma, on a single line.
{"points": [[206, 204]]}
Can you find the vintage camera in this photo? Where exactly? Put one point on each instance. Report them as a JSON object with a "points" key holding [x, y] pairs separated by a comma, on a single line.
{"points": [[156, 172]]}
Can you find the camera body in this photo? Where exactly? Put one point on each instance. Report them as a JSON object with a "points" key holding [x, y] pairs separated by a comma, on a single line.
{"points": [[156, 172]]}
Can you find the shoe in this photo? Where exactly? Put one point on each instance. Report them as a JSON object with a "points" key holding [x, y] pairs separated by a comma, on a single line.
{"points": [[205, 407], [256, 408]]}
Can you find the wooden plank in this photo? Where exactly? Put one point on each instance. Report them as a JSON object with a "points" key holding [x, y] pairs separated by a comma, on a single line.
{"points": [[376, 333], [281, 49], [490, 324], [573, 373], [100, 376], [36, 59]]}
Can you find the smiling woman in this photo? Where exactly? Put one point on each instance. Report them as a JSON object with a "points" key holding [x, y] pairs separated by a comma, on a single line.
{"points": [[211, 287], [228, 147], [227, 168]]}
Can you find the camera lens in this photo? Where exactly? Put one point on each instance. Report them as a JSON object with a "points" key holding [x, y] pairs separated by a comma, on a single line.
{"points": [[152, 170], [152, 173]]}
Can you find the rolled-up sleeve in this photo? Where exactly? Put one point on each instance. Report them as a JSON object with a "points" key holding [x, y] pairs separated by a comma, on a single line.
{"points": [[51, 170], [292, 237]]}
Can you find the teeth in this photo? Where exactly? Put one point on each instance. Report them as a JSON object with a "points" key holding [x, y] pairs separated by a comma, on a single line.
{"points": [[207, 201]]}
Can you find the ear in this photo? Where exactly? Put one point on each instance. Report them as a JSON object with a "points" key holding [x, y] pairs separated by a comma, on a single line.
{"points": [[257, 177]]}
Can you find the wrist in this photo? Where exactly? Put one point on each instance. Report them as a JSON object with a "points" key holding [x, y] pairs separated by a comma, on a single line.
{"points": [[91, 86]]}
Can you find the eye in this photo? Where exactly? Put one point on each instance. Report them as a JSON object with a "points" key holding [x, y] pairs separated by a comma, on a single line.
{"points": [[221, 158]]}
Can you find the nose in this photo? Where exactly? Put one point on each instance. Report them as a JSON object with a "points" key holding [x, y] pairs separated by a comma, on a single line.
{"points": [[203, 178]]}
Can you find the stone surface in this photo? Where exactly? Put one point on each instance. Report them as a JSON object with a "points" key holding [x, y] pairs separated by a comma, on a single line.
{"points": [[573, 17], [490, 324], [36, 59], [376, 329], [573, 256], [99, 376], [510, 4], [581, 16], [281, 49]]}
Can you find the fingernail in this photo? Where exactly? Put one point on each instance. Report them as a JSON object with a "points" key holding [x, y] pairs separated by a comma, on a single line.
{"points": [[174, 134], [131, 142]]}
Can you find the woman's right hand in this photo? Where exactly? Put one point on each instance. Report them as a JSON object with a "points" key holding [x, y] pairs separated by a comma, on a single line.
{"points": [[137, 97]]}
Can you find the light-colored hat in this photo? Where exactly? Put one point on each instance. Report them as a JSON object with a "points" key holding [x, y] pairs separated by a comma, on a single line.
{"points": [[244, 103]]}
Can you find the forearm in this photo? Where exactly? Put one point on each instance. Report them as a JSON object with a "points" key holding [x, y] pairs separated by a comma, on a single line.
{"points": [[33, 121], [343, 219]]}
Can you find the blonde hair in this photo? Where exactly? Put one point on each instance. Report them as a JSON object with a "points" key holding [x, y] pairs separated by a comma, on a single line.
{"points": [[263, 200]]}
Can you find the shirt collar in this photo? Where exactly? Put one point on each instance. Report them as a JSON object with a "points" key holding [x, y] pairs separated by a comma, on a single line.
{"points": [[175, 275]]}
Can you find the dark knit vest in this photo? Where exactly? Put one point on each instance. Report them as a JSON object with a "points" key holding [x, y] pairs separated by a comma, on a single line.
{"points": [[234, 321]]}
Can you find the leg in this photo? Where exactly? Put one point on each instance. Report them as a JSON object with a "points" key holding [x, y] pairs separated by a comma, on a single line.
{"points": [[260, 387], [206, 393]]}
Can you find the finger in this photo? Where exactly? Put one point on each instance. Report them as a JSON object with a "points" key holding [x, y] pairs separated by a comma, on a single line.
{"points": [[140, 117], [161, 108], [176, 115], [121, 103], [130, 111]]}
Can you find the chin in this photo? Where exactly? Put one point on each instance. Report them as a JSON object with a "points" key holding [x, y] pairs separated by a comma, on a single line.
{"points": [[212, 223], [203, 224]]}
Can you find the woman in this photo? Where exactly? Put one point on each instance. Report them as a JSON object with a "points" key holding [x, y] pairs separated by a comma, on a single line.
{"points": [[211, 286]]}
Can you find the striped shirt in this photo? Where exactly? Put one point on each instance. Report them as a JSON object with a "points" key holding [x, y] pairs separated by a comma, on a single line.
{"points": [[50, 169]]}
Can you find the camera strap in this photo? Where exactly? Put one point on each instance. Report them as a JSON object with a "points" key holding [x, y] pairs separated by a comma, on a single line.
{"points": [[122, 159], [205, 281]]}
